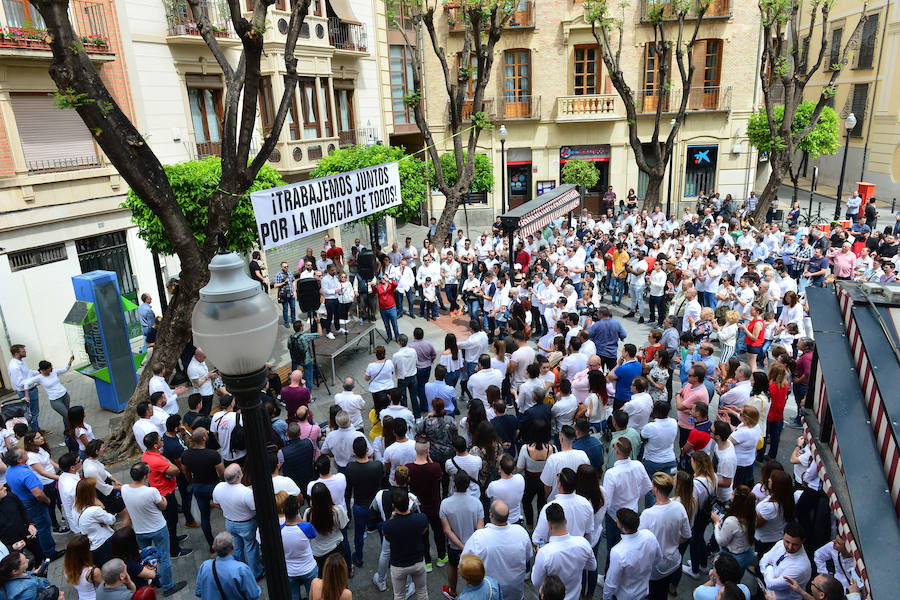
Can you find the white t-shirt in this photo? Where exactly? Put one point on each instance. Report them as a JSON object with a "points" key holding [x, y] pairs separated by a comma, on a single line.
{"points": [[745, 441], [87, 431], [727, 468], [773, 529], [559, 461], [399, 453], [523, 357], [563, 412], [141, 502], [471, 464], [660, 437], [222, 425], [336, 484], [42, 458], [510, 491], [381, 376], [638, 408], [351, 404], [298, 554], [280, 483], [198, 370]]}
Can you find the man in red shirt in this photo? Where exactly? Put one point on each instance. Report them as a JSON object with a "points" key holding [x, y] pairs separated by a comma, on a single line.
{"points": [[336, 255], [385, 291], [162, 477], [699, 437], [801, 374], [522, 257]]}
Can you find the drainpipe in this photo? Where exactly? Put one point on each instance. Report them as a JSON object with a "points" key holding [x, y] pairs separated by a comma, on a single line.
{"points": [[755, 92]]}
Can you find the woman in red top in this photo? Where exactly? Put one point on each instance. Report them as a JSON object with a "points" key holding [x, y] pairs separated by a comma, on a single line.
{"points": [[385, 291], [649, 351], [778, 392], [756, 335]]}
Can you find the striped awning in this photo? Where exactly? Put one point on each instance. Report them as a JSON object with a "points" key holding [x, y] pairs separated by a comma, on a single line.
{"points": [[543, 210]]}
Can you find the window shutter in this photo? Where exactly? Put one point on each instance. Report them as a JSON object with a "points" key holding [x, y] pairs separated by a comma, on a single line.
{"points": [[858, 107], [835, 50], [51, 138], [867, 45]]}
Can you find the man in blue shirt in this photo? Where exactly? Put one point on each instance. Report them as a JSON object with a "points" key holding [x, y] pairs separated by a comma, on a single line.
{"points": [[25, 485], [606, 334], [439, 389], [624, 374], [223, 577], [145, 314], [817, 269], [587, 443]]}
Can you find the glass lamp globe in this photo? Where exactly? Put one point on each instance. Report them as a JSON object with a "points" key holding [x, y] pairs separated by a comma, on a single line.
{"points": [[234, 322], [850, 122], [503, 133]]}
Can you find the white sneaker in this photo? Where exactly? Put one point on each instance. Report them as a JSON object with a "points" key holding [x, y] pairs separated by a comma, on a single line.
{"points": [[410, 590], [382, 586], [687, 570], [329, 335], [342, 330], [600, 580]]}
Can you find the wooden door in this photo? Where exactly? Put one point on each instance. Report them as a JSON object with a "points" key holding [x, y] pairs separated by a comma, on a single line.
{"points": [[517, 84]]}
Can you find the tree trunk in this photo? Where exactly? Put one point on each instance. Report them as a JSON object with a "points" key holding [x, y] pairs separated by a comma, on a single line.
{"points": [[174, 333], [770, 192], [451, 204], [653, 196]]}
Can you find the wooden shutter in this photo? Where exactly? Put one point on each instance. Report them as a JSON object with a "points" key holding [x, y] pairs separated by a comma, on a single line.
{"points": [[867, 45], [266, 103], [858, 107], [51, 138], [835, 50], [651, 80]]}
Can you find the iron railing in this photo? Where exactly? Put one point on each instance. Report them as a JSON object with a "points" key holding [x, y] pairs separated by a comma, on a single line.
{"points": [[361, 136], [717, 9], [347, 36], [522, 18], [68, 163], [702, 99], [183, 22], [468, 107], [588, 107], [25, 27], [518, 106]]}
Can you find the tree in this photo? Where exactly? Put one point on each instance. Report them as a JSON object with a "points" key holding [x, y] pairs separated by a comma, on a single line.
{"points": [[193, 182], [822, 139], [582, 173], [787, 64], [483, 21], [664, 17], [413, 190], [482, 180], [81, 88]]}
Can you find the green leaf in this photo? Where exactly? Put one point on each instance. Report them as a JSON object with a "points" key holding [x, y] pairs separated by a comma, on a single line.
{"points": [[822, 139], [580, 172], [484, 172]]}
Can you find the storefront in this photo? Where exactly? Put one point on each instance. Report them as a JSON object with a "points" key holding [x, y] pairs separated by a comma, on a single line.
{"points": [[518, 176], [700, 169], [598, 155]]}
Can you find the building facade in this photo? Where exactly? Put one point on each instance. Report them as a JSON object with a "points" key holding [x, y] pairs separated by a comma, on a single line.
{"points": [[550, 89], [868, 86]]}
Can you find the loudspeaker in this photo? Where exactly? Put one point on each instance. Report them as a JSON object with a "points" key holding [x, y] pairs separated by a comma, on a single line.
{"points": [[366, 264], [308, 294]]}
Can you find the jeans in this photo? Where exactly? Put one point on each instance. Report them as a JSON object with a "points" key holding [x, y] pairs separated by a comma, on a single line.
{"points": [[464, 388], [422, 377], [389, 316], [360, 517], [612, 533], [657, 309], [473, 308], [654, 467], [579, 287], [451, 290], [293, 309], [398, 299], [246, 548], [398, 581], [309, 375], [40, 516], [452, 379], [773, 437], [618, 288], [637, 299], [744, 559], [384, 561], [709, 299], [203, 495], [295, 581], [160, 539], [800, 390], [407, 387], [332, 314], [34, 405]]}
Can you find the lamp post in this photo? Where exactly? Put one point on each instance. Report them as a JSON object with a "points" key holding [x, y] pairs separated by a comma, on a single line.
{"points": [[671, 167], [849, 124], [236, 325], [503, 135]]}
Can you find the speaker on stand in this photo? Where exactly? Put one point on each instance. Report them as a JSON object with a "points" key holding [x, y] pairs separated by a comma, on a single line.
{"points": [[310, 299]]}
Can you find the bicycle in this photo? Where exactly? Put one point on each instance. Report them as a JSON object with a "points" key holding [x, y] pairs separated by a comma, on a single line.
{"points": [[807, 219]]}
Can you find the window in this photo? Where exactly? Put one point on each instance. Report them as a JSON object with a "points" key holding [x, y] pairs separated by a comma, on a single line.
{"points": [[280, 5], [206, 115], [652, 79], [867, 44], [587, 70], [707, 60], [325, 90], [343, 98], [109, 252], [52, 139], [712, 69], [34, 257], [266, 103], [20, 13], [858, 108], [835, 50], [293, 123], [473, 73], [402, 16], [309, 108], [401, 83], [517, 83]]}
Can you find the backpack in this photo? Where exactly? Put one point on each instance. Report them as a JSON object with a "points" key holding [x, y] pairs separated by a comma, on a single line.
{"points": [[297, 348], [238, 437]]}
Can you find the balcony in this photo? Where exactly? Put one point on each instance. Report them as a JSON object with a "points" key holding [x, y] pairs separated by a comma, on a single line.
{"points": [[718, 9], [363, 136], [515, 107], [27, 32], [596, 107], [522, 18], [68, 163], [469, 105], [702, 99], [347, 36], [183, 24]]}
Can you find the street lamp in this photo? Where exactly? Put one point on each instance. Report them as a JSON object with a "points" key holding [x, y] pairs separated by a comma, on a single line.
{"points": [[849, 124], [236, 325], [503, 135], [672, 123]]}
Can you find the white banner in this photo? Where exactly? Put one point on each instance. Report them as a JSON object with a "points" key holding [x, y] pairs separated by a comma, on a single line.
{"points": [[290, 212]]}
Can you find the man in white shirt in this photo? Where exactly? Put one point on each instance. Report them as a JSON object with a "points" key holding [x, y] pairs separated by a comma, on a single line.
{"points": [[739, 395], [727, 465], [69, 464], [566, 457], [339, 443], [640, 406], [565, 556], [239, 509], [351, 402], [410, 253], [335, 482], [18, 374], [519, 360], [787, 561], [485, 376], [331, 287], [668, 522], [404, 361], [637, 272], [472, 348], [578, 510], [201, 381], [223, 424], [505, 550], [158, 383], [834, 558], [623, 485], [401, 452], [397, 410], [159, 416], [509, 488], [406, 281], [631, 560], [143, 425], [692, 310]]}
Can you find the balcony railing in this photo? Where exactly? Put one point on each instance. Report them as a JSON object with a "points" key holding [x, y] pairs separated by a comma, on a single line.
{"points": [[357, 137], [596, 107], [207, 149], [717, 9], [469, 105], [183, 22], [522, 18], [519, 107], [27, 29], [347, 36], [69, 163], [702, 99]]}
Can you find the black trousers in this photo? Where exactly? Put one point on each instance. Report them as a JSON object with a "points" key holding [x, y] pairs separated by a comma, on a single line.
{"points": [[440, 540], [170, 514], [534, 487]]}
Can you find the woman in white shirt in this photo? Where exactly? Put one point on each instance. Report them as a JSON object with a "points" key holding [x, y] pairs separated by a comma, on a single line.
{"points": [[658, 278], [107, 486], [452, 359], [80, 568], [774, 512], [328, 519], [45, 468], [380, 374], [92, 520], [745, 439], [48, 378], [298, 555], [80, 431], [735, 533], [659, 444]]}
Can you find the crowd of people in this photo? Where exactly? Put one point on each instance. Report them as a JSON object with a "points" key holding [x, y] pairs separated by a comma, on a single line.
{"points": [[548, 446]]}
